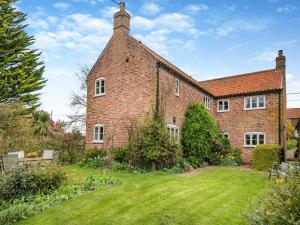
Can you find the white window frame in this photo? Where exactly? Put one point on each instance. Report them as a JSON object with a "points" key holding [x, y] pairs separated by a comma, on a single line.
{"points": [[177, 87], [100, 87], [251, 138], [206, 102], [225, 133], [223, 110], [98, 141], [257, 102], [170, 127]]}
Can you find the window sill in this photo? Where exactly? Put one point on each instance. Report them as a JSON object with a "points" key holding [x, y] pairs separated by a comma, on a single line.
{"points": [[223, 111], [97, 142], [99, 95], [246, 109]]}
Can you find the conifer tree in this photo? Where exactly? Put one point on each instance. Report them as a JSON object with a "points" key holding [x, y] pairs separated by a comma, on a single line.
{"points": [[21, 71]]}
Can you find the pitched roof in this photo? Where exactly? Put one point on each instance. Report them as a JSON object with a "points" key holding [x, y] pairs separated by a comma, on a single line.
{"points": [[267, 80], [293, 113], [169, 65]]}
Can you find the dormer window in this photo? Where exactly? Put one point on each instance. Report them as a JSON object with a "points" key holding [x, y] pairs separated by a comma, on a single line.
{"points": [[177, 87], [100, 86], [206, 101]]}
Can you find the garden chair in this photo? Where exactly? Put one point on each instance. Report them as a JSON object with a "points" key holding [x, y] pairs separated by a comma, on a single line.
{"points": [[279, 170], [20, 154], [48, 154], [9, 161]]}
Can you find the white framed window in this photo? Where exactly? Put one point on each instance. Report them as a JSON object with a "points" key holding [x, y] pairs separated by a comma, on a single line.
{"points": [[174, 132], [98, 133], [206, 101], [223, 105], [100, 86], [177, 87], [252, 139], [225, 134], [255, 102]]}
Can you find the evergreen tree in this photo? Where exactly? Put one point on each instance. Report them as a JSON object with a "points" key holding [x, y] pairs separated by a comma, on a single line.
{"points": [[21, 72]]}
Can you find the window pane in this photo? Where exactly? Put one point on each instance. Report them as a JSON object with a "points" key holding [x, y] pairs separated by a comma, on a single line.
{"points": [[97, 87], [254, 139], [102, 86], [247, 104], [261, 139], [101, 133], [248, 142], [226, 106], [220, 105], [261, 101], [254, 102], [96, 133]]}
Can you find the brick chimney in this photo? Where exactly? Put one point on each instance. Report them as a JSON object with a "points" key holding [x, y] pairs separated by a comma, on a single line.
{"points": [[122, 19], [280, 61]]}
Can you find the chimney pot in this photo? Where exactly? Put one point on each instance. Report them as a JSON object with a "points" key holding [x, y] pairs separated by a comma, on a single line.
{"points": [[122, 6], [280, 61]]}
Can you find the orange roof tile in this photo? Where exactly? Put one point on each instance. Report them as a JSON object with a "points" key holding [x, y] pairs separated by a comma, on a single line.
{"points": [[266, 80], [293, 113]]}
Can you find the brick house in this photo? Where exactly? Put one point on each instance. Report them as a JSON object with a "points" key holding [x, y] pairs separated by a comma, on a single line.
{"points": [[128, 79], [293, 115]]}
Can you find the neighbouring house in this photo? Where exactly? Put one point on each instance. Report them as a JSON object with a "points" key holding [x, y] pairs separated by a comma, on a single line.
{"points": [[293, 116], [128, 80]]}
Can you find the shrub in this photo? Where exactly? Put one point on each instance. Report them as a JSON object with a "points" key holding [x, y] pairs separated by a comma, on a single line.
{"points": [[32, 155], [120, 153], [25, 180], [117, 166], [180, 166], [149, 144], [94, 153], [281, 205], [236, 153], [198, 133], [264, 156]]}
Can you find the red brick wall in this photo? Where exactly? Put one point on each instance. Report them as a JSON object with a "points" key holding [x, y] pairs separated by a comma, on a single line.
{"points": [[176, 105], [239, 121], [130, 84]]}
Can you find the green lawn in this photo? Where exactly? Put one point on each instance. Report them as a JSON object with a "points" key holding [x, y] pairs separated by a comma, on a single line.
{"points": [[214, 197]]}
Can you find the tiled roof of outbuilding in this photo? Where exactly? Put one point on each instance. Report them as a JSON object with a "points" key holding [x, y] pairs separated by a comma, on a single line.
{"points": [[293, 113]]}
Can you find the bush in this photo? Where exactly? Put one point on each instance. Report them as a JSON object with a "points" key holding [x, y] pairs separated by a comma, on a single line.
{"points": [[281, 205], [27, 180], [264, 156], [180, 166], [94, 153], [236, 153], [120, 154], [198, 133]]}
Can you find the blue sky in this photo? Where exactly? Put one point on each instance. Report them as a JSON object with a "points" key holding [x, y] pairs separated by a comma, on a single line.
{"points": [[206, 39]]}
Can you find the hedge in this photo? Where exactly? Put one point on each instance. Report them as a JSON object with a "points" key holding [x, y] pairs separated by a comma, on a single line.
{"points": [[264, 156]]}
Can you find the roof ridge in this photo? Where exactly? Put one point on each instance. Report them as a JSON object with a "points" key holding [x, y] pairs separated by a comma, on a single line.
{"points": [[239, 75]]}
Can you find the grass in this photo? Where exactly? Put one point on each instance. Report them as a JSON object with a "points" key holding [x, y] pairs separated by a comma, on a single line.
{"points": [[214, 197], [292, 144]]}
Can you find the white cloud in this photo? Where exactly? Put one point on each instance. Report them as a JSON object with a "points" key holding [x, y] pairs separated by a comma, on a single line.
{"points": [[288, 43], [52, 19], [109, 11], [285, 9], [237, 25], [61, 5], [92, 2], [150, 8], [143, 23], [175, 21], [289, 76], [38, 23], [264, 56], [194, 8]]}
